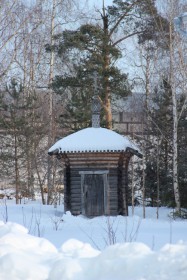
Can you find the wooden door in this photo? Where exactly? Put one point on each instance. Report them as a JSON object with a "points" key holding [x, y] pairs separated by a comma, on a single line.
{"points": [[93, 193]]}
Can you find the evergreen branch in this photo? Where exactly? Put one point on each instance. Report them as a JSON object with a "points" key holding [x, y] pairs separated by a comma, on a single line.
{"points": [[122, 17], [125, 37]]}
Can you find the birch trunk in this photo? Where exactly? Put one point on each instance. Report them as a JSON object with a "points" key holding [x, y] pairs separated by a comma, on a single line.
{"points": [[132, 182], [51, 121], [175, 121], [158, 178], [146, 122], [143, 186], [16, 168]]}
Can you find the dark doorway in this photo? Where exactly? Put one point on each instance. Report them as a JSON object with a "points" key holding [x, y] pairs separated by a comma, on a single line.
{"points": [[94, 185], [93, 188]]}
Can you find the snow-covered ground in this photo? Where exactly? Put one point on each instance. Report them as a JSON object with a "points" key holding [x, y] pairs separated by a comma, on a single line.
{"points": [[41, 242]]}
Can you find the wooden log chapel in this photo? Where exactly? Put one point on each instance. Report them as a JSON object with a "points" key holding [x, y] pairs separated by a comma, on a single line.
{"points": [[96, 168]]}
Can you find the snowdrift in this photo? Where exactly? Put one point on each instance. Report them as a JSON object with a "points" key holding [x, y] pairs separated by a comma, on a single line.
{"points": [[26, 257]]}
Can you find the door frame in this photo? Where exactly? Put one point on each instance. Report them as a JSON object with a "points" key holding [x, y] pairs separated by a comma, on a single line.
{"points": [[105, 185]]}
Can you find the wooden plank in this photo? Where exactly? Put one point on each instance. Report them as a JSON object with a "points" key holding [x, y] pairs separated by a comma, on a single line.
{"points": [[94, 194], [94, 172], [76, 190], [94, 165], [94, 154], [75, 199], [96, 159], [93, 162], [75, 181], [90, 162], [114, 196], [75, 205]]}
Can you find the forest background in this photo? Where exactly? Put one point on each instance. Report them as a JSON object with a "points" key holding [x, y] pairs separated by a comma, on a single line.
{"points": [[49, 52]]}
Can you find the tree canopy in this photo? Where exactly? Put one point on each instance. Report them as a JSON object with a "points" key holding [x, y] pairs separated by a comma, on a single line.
{"points": [[96, 47]]}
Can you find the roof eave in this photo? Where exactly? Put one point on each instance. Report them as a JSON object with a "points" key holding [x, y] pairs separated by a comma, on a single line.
{"points": [[52, 153], [128, 149], [134, 152]]}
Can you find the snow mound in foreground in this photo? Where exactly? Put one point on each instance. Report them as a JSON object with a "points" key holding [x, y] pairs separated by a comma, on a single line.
{"points": [[25, 257]]}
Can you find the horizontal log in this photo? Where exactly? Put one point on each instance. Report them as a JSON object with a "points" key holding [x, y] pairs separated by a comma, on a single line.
{"points": [[75, 180], [75, 191], [91, 158], [94, 166], [94, 163], [87, 168], [77, 176], [113, 202], [75, 187], [76, 207], [75, 199], [73, 203], [113, 185], [112, 197], [94, 154]]}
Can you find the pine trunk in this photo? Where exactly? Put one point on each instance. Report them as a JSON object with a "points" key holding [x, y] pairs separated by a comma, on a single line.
{"points": [[106, 58]]}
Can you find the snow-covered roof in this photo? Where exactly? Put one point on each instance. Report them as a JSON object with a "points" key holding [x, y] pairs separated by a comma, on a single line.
{"points": [[93, 140]]}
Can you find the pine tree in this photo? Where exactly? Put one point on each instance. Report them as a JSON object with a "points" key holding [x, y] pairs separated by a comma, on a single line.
{"points": [[17, 108], [93, 48], [182, 151], [160, 131], [79, 85]]}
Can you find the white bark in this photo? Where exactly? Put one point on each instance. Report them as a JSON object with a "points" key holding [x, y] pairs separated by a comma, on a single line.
{"points": [[51, 119], [175, 121]]}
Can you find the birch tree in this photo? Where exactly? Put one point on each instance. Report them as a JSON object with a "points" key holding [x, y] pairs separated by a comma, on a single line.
{"points": [[177, 67], [175, 122]]}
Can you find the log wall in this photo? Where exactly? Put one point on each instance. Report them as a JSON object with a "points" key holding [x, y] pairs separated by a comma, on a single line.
{"points": [[115, 163]]}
